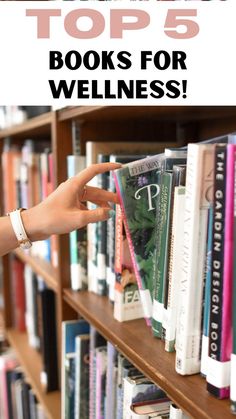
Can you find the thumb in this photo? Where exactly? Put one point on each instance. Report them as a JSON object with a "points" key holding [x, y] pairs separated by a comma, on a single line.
{"points": [[99, 214]]}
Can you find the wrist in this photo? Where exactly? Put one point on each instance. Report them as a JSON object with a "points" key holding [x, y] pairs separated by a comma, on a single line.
{"points": [[33, 225]]}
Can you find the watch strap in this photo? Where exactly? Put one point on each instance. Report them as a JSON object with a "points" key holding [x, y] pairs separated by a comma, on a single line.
{"points": [[19, 230]]}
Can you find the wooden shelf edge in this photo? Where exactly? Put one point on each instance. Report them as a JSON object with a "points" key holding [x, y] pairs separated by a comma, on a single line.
{"points": [[31, 363], [29, 125], [40, 267], [178, 113], [189, 393]]}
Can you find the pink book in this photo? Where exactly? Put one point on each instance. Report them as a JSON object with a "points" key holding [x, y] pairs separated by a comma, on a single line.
{"points": [[226, 332]]}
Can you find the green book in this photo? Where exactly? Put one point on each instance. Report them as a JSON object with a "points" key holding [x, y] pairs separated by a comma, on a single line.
{"points": [[160, 270]]}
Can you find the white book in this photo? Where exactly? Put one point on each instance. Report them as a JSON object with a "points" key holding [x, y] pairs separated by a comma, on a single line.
{"points": [[78, 273], [29, 313], [199, 189], [170, 318]]}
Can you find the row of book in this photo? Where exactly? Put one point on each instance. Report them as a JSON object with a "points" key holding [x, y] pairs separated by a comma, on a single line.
{"points": [[99, 382], [174, 241], [13, 115], [17, 399], [28, 178], [179, 221], [34, 311]]}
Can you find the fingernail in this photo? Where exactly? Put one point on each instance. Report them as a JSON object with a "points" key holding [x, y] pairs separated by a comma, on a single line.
{"points": [[111, 213]]}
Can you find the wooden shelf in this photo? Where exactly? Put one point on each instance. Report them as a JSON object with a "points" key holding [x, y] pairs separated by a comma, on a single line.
{"points": [[172, 113], [37, 126], [31, 363], [40, 267], [135, 341]]}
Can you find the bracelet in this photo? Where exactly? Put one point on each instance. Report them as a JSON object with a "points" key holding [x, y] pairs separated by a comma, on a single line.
{"points": [[18, 227]]}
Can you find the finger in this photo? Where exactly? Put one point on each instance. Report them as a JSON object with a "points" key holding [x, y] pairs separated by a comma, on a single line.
{"points": [[95, 169], [92, 193], [102, 204], [98, 214]]}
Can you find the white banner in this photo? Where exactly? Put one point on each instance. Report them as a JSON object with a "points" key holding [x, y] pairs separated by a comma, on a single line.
{"points": [[117, 53]]}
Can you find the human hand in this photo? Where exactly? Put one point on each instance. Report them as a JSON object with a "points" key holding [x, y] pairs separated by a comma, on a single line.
{"points": [[64, 210]]}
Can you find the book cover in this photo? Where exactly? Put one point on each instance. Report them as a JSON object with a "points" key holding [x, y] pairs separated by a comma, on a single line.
{"points": [[81, 408], [199, 189], [138, 188], [127, 304], [111, 225], [78, 238]]}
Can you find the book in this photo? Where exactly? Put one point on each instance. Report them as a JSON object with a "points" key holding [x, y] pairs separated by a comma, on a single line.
{"points": [[96, 341], [176, 412], [18, 294], [218, 369], [78, 238], [233, 354], [70, 329], [82, 376], [174, 270], [137, 188], [92, 150], [161, 255], [199, 185], [101, 366], [111, 380], [127, 304]]}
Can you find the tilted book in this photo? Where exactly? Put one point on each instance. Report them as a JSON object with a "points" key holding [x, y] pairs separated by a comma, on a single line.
{"points": [[233, 355], [137, 187], [199, 184]]}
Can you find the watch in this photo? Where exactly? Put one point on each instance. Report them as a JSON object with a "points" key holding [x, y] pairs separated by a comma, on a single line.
{"points": [[19, 230]]}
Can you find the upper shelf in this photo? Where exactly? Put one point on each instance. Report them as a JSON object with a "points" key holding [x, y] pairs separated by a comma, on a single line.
{"points": [[37, 126], [135, 341], [174, 113]]}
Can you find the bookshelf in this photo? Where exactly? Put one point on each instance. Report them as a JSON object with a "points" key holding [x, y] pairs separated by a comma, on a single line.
{"points": [[177, 124]]}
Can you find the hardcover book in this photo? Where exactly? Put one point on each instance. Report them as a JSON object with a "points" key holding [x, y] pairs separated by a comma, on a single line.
{"points": [[199, 189], [138, 188]]}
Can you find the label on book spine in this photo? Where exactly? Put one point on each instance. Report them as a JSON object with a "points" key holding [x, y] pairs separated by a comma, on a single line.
{"points": [[218, 373], [233, 378], [158, 309], [145, 297]]}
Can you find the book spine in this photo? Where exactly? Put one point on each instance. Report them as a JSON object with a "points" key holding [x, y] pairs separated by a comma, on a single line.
{"points": [[207, 297], [199, 166], [217, 371], [174, 267], [233, 355], [162, 254], [144, 293]]}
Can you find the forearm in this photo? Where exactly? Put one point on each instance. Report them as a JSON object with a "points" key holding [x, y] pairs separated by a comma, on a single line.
{"points": [[8, 239]]}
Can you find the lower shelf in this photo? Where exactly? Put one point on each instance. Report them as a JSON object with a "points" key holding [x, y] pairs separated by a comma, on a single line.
{"points": [[135, 341], [31, 363]]}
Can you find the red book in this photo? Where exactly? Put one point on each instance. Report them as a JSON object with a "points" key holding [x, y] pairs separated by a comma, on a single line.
{"points": [[18, 292]]}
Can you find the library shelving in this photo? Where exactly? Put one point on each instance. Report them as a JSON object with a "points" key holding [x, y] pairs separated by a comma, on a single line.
{"points": [[133, 339]]}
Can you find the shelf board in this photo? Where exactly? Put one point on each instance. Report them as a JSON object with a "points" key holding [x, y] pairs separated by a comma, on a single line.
{"points": [[135, 341], [31, 363], [173, 113], [40, 267], [37, 126]]}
